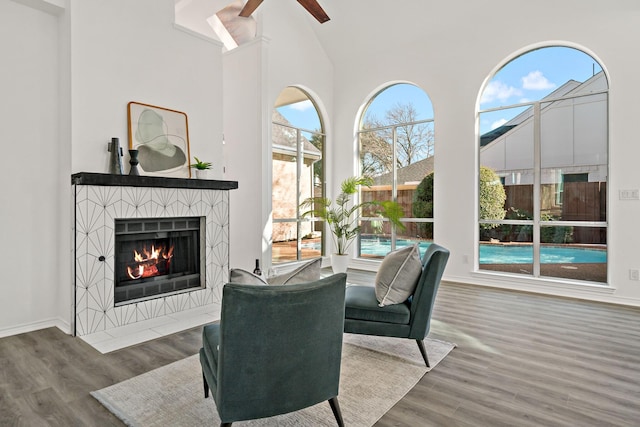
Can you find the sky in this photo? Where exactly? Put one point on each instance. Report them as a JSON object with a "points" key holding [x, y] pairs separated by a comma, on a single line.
{"points": [[529, 77]]}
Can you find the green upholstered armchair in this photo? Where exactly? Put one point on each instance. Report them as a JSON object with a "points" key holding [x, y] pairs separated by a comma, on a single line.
{"points": [[276, 349], [410, 319]]}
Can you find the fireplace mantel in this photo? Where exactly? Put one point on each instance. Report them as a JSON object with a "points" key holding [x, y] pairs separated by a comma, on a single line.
{"points": [[99, 200], [106, 179]]}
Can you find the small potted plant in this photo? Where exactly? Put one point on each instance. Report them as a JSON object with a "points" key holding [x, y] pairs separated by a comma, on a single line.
{"points": [[201, 168]]}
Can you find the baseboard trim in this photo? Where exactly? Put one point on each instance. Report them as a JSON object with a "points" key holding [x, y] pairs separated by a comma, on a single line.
{"points": [[34, 326]]}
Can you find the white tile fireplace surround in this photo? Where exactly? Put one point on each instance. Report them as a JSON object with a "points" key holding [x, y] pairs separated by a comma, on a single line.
{"points": [[100, 199]]}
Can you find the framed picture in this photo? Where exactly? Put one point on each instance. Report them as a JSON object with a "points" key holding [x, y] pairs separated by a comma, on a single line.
{"points": [[161, 137]]}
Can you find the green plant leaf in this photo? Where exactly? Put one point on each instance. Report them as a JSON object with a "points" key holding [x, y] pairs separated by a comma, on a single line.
{"points": [[342, 216], [199, 164]]}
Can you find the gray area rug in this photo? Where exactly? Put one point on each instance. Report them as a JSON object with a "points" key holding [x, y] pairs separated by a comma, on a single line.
{"points": [[376, 373]]}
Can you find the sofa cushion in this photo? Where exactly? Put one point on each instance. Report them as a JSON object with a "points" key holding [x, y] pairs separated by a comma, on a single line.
{"points": [[307, 272], [398, 275], [244, 277], [361, 304]]}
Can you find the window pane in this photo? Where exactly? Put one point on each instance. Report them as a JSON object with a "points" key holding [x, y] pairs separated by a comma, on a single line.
{"points": [[508, 257], [551, 144], [414, 145], [311, 242], [297, 174], [564, 253], [284, 212], [377, 246], [574, 159], [284, 176], [396, 148], [374, 242], [415, 150], [507, 150], [376, 154], [311, 185]]}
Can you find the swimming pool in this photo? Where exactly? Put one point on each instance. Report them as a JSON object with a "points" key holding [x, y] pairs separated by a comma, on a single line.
{"points": [[502, 254]]}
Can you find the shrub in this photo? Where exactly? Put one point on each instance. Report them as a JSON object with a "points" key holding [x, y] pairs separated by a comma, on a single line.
{"points": [[423, 205], [491, 196]]}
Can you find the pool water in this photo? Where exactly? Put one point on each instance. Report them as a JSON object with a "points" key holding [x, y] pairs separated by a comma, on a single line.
{"points": [[521, 254], [502, 254]]}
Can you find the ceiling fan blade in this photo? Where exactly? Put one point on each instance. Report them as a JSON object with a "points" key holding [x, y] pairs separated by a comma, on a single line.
{"points": [[249, 8], [315, 9]]}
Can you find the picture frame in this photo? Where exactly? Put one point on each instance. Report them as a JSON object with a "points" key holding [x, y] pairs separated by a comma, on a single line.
{"points": [[161, 136]]}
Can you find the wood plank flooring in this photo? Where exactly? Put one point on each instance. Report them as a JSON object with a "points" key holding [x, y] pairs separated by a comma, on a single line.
{"points": [[522, 360]]}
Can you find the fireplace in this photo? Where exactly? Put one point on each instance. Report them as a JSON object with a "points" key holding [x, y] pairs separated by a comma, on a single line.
{"points": [[157, 256], [190, 215]]}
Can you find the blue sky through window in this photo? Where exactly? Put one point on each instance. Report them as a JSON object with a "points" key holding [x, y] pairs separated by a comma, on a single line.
{"points": [[529, 77], [401, 93], [301, 115]]}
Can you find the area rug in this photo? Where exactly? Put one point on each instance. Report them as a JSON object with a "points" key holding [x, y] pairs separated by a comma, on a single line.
{"points": [[376, 373]]}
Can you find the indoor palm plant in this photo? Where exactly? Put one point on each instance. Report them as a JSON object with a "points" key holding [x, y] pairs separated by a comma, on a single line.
{"points": [[342, 215]]}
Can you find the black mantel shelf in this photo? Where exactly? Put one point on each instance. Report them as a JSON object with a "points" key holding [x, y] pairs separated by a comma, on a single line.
{"points": [[106, 179]]}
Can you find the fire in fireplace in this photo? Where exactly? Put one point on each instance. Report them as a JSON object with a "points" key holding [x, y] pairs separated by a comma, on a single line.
{"points": [[155, 261], [157, 256]]}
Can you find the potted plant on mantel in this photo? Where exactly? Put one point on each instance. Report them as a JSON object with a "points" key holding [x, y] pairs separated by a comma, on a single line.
{"points": [[202, 168], [342, 216]]}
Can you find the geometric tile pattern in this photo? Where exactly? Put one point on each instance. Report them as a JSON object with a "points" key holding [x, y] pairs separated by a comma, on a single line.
{"points": [[97, 207]]}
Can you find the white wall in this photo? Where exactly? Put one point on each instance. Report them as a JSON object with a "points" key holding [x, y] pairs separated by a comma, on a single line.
{"points": [[288, 54], [245, 152], [30, 252], [67, 89], [130, 51]]}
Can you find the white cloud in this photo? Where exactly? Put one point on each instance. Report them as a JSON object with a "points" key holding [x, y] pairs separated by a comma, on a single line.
{"points": [[499, 90], [535, 80], [302, 105], [498, 123]]}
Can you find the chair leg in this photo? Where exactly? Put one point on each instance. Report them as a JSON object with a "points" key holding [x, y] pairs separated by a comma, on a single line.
{"points": [[335, 407], [206, 386], [423, 351]]}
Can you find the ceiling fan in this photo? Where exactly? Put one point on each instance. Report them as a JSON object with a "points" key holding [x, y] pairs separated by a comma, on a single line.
{"points": [[312, 7]]}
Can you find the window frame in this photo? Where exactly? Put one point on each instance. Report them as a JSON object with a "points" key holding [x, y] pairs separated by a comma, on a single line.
{"points": [[537, 223], [298, 220]]}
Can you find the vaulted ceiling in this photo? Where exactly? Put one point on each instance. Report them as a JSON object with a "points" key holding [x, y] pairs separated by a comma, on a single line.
{"points": [[366, 27]]}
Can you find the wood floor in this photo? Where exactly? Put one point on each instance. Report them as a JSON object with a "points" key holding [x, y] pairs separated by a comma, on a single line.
{"points": [[522, 360]]}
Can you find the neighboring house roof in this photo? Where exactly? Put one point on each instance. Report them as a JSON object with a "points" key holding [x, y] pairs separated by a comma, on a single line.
{"points": [[566, 88], [284, 138], [411, 174], [494, 134]]}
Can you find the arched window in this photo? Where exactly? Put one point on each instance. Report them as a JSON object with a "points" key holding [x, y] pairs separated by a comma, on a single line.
{"points": [[544, 166], [297, 173], [396, 148]]}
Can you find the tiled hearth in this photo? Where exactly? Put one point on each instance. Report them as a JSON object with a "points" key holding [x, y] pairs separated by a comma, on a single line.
{"points": [[101, 198]]}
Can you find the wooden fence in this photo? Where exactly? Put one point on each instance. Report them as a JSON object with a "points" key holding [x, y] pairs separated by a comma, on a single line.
{"points": [[579, 201]]}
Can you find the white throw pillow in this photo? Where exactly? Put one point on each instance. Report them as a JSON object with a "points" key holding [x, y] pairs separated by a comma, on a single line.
{"points": [[244, 277], [307, 272], [398, 276]]}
